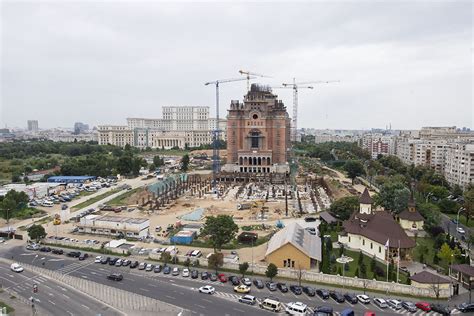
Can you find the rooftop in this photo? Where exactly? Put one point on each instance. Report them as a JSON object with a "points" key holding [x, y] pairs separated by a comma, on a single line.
{"points": [[429, 278], [464, 269], [365, 197]]}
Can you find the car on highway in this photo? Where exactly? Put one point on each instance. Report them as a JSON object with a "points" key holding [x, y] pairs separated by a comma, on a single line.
{"points": [[424, 306], [380, 302], [167, 270], [104, 260], [395, 304], [271, 286], [338, 297], [57, 251], [83, 256], [364, 299], [115, 277], [149, 267], [207, 289], [134, 264], [282, 287], [222, 277], [308, 290], [322, 293], [466, 307], [461, 230], [175, 271], [97, 259], [296, 289], [351, 298], [204, 275], [16, 267], [246, 281], [242, 289], [248, 299], [194, 274], [409, 306], [234, 280], [441, 309], [296, 308], [185, 273], [323, 311], [258, 283]]}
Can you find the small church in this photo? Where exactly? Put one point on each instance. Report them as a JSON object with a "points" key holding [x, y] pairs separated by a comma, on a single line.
{"points": [[375, 232], [410, 219]]}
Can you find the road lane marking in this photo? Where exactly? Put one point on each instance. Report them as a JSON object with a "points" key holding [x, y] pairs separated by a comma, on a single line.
{"points": [[85, 306], [149, 284], [66, 296], [171, 297], [144, 289], [200, 306], [83, 276], [205, 299], [52, 302], [239, 310]]}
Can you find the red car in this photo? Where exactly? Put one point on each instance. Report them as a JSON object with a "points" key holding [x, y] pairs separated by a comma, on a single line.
{"points": [[369, 313], [423, 306], [222, 277]]}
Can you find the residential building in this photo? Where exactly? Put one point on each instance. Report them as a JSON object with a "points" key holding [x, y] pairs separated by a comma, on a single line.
{"points": [[258, 138], [295, 248], [459, 167], [33, 126], [463, 273], [375, 232], [114, 226], [378, 144]]}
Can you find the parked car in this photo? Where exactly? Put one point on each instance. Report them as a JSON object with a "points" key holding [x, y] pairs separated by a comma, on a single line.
{"points": [[246, 281], [118, 263], [234, 280], [175, 271], [296, 289], [74, 254], [112, 261], [204, 275], [338, 297], [258, 283], [409, 306], [45, 249], [364, 299], [126, 262], [222, 277], [271, 286], [194, 274], [424, 306], [115, 277], [466, 307], [167, 270], [207, 289], [296, 308], [149, 267], [395, 304], [380, 302], [97, 259], [282, 287], [57, 251], [308, 290], [441, 309], [142, 266], [248, 299], [105, 260], [322, 293], [134, 264], [323, 311], [351, 298], [83, 256], [158, 268], [185, 273], [213, 277]]}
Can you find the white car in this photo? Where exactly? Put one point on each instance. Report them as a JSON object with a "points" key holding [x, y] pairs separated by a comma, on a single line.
{"points": [[380, 302], [207, 289], [395, 304], [97, 259], [461, 230], [296, 308], [185, 273], [246, 281], [364, 299], [16, 267]]}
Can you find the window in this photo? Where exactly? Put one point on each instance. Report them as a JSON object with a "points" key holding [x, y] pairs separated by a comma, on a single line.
{"points": [[380, 249], [371, 245], [349, 238], [363, 242], [292, 264], [254, 136], [284, 263]]}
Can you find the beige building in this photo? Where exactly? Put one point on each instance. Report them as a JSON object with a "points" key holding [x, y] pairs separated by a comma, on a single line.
{"points": [[410, 219], [115, 135], [428, 280], [293, 247], [459, 168]]}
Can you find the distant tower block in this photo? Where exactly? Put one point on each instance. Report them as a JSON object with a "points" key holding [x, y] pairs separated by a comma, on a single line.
{"points": [[258, 138]]}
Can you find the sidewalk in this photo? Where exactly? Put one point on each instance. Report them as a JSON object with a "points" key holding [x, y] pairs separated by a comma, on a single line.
{"points": [[21, 307]]}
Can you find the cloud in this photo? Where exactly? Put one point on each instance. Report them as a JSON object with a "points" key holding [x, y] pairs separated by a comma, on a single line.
{"points": [[408, 64]]}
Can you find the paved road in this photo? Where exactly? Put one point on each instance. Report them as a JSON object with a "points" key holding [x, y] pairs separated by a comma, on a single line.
{"points": [[54, 298], [183, 291]]}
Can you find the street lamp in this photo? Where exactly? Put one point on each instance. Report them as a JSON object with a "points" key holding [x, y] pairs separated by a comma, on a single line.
{"points": [[344, 259]]}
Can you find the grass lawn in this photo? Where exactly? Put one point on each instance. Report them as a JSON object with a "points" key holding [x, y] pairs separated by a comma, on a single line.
{"points": [[120, 200], [462, 219], [94, 199], [354, 265]]}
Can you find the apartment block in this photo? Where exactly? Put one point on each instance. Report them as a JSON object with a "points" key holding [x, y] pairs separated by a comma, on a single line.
{"points": [[459, 168], [378, 144]]}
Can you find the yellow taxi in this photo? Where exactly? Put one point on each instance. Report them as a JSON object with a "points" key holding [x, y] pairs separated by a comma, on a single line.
{"points": [[242, 289]]}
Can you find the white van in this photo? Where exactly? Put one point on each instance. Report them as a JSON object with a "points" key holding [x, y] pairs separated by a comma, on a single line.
{"points": [[196, 253], [270, 305], [296, 308], [47, 203], [16, 267]]}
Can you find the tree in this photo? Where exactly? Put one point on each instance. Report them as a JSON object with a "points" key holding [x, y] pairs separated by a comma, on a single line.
{"points": [[468, 203], [243, 267], [36, 232], [220, 229], [373, 264], [271, 271], [343, 208], [185, 163], [356, 274], [446, 254], [354, 168], [393, 196], [363, 271], [157, 161], [360, 260], [422, 250], [187, 262], [216, 260], [165, 257]]}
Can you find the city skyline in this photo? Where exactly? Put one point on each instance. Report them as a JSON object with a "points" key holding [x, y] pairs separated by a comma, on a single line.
{"points": [[104, 64]]}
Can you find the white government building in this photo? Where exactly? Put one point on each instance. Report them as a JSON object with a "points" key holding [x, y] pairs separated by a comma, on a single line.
{"points": [[180, 126]]}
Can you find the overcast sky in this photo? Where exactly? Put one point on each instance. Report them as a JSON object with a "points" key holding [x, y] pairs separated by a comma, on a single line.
{"points": [[405, 63]]}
